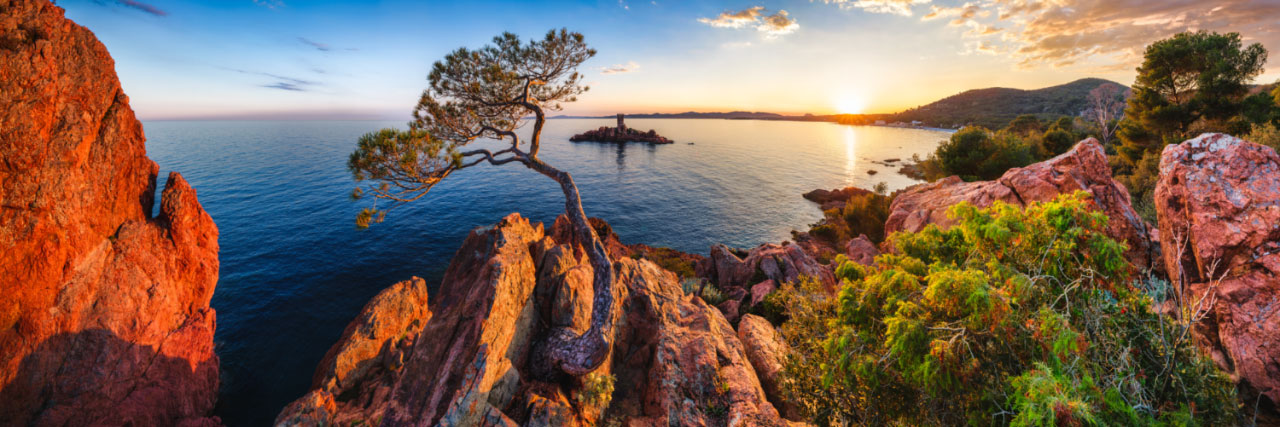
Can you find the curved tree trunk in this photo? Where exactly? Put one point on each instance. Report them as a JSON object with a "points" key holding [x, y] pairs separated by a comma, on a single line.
{"points": [[566, 350]]}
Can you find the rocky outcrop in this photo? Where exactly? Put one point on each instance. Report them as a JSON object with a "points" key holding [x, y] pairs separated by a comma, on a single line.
{"points": [[1084, 167], [675, 360], [105, 317], [767, 352], [1218, 202], [833, 199], [783, 263], [620, 134]]}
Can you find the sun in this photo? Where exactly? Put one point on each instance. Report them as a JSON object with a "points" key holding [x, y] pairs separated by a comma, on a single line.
{"points": [[850, 104]]}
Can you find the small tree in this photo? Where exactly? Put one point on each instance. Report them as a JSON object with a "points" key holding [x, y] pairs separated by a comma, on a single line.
{"points": [[1106, 108], [489, 93]]}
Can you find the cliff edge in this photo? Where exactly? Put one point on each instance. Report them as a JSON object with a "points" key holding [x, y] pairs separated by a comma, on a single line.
{"points": [[104, 308]]}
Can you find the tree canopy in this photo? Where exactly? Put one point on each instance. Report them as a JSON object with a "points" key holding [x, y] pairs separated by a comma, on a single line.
{"points": [[1191, 82]]}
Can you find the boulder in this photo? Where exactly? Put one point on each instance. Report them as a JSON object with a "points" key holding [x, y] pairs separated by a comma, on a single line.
{"points": [[781, 263], [105, 315], [767, 352], [675, 360], [1084, 167], [1218, 201], [375, 341], [761, 290], [833, 199], [861, 250]]}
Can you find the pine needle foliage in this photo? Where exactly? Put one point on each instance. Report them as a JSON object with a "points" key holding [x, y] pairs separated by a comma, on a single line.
{"points": [[1009, 317]]}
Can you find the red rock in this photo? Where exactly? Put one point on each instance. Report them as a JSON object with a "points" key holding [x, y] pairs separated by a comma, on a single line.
{"points": [[1218, 197], [761, 290], [1084, 167], [781, 263], [729, 308], [674, 357], [767, 352], [105, 317], [861, 250], [833, 199]]}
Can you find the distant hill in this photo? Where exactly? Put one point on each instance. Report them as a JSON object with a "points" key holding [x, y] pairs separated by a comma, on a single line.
{"points": [[995, 107], [739, 115], [991, 107]]}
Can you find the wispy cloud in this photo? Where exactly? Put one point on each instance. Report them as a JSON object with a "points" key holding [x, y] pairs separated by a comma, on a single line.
{"points": [[773, 25], [137, 5], [269, 4], [319, 46], [895, 7], [630, 66], [281, 82], [285, 86]]}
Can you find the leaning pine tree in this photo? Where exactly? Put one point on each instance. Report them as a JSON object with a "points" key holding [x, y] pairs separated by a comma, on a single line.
{"points": [[488, 93]]}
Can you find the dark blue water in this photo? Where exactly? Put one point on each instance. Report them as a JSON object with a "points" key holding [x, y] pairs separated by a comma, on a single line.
{"points": [[295, 270]]}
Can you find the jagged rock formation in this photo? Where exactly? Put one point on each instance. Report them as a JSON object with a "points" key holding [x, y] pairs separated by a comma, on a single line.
{"points": [[1218, 201], [833, 199], [1084, 167], [105, 314], [620, 134], [676, 360]]}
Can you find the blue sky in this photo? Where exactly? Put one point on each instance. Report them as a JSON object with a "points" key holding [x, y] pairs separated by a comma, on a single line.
{"points": [[333, 60]]}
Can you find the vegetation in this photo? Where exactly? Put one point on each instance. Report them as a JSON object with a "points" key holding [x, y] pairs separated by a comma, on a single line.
{"points": [[596, 390], [489, 93], [864, 213], [1022, 317], [708, 292], [1190, 83], [669, 259]]}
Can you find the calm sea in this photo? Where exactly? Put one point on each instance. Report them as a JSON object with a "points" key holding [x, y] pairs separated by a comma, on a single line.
{"points": [[295, 270]]}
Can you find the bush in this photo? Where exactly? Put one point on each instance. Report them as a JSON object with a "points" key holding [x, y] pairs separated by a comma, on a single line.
{"points": [[597, 390], [1024, 317], [706, 291], [976, 153], [1265, 134], [865, 214], [1057, 141]]}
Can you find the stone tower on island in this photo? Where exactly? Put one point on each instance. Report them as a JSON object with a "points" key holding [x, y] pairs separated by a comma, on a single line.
{"points": [[622, 127]]}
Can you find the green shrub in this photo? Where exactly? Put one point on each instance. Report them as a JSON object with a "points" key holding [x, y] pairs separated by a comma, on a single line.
{"points": [[706, 291], [1024, 317], [1265, 134], [597, 390], [975, 153], [865, 214]]}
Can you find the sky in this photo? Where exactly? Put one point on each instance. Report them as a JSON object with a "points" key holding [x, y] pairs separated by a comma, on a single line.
{"points": [[295, 59]]}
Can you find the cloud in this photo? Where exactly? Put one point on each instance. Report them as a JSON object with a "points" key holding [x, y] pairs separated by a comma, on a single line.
{"points": [[281, 82], [319, 46], [269, 4], [137, 5], [285, 86], [1068, 31], [778, 24], [1086, 33], [895, 7], [621, 68], [737, 19], [774, 25]]}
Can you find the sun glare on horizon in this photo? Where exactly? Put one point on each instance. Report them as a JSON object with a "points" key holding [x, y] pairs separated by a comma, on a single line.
{"points": [[850, 103]]}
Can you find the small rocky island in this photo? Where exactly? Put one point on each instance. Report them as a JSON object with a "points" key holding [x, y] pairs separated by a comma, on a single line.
{"points": [[620, 134]]}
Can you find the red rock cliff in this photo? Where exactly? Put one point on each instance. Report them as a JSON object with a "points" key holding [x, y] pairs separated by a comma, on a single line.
{"points": [[104, 309], [467, 360]]}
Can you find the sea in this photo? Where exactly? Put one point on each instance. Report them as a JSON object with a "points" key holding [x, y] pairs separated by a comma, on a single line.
{"points": [[295, 270]]}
